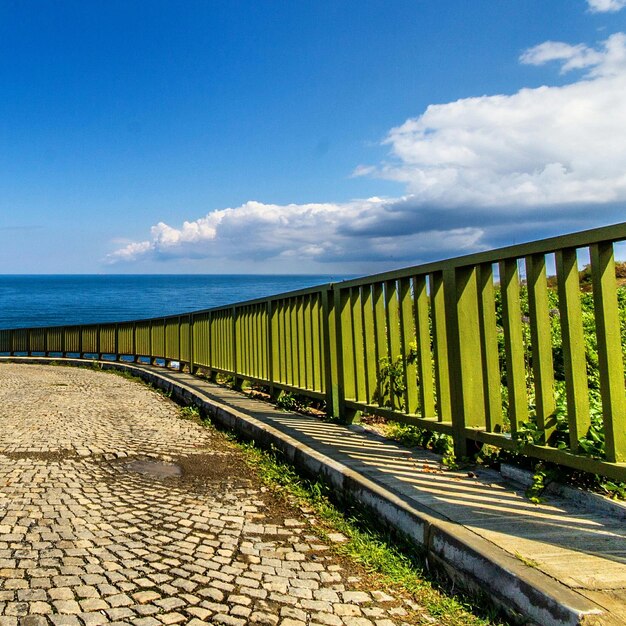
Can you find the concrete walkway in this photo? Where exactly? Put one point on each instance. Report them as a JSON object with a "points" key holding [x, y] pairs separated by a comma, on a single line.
{"points": [[555, 563]]}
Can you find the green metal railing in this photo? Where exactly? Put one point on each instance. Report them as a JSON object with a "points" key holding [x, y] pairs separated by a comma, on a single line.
{"points": [[446, 346]]}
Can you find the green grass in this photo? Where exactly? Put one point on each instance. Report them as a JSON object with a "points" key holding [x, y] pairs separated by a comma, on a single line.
{"points": [[122, 373], [191, 413]]}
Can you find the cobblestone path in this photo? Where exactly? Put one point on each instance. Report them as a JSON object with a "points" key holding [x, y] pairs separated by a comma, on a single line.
{"points": [[113, 509]]}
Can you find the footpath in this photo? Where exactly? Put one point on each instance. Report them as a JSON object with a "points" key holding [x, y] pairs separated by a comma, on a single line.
{"points": [[555, 563], [114, 510]]}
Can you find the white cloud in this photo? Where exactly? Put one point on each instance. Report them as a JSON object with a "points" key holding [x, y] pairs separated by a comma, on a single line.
{"points": [[609, 60], [306, 232], [473, 170], [575, 57], [606, 6], [538, 147], [131, 251]]}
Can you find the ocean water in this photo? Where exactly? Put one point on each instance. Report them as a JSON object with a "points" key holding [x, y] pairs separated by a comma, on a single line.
{"points": [[27, 301]]}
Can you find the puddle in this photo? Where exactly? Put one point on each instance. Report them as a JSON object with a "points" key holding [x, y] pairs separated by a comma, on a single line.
{"points": [[158, 469]]}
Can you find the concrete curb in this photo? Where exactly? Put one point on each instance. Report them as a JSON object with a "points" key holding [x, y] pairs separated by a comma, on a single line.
{"points": [[473, 562]]}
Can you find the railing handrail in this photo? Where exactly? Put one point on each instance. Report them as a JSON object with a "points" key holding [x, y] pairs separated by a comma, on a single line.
{"points": [[614, 232]]}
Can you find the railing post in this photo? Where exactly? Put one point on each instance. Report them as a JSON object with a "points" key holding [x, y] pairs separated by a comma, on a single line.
{"points": [[210, 361], [440, 344], [333, 359], [180, 325], [426, 389], [464, 355], [166, 362], [513, 344], [238, 379], [489, 343], [150, 343], [610, 364], [346, 368], [270, 348], [541, 342], [574, 361], [192, 355], [328, 347]]}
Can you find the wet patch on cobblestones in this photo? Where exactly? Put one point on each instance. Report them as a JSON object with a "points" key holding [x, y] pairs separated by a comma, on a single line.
{"points": [[158, 469]]}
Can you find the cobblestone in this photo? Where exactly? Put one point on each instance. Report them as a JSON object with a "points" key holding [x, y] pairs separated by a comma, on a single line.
{"points": [[114, 510]]}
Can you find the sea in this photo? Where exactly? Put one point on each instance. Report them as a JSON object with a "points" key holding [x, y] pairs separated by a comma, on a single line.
{"points": [[53, 300]]}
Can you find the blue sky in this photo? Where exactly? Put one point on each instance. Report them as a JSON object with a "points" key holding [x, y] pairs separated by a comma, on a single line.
{"points": [[303, 137]]}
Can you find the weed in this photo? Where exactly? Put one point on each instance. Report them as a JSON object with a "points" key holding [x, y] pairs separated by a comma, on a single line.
{"points": [[191, 413], [391, 386], [535, 492], [614, 490], [226, 380], [287, 401], [411, 436], [123, 373], [489, 455], [526, 561]]}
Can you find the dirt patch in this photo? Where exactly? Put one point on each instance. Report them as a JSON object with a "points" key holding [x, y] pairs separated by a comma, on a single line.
{"points": [[48, 455], [194, 469], [216, 466]]}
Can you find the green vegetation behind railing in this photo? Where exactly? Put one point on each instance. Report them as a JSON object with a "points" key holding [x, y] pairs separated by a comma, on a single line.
{"points": [[487, 348]]}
